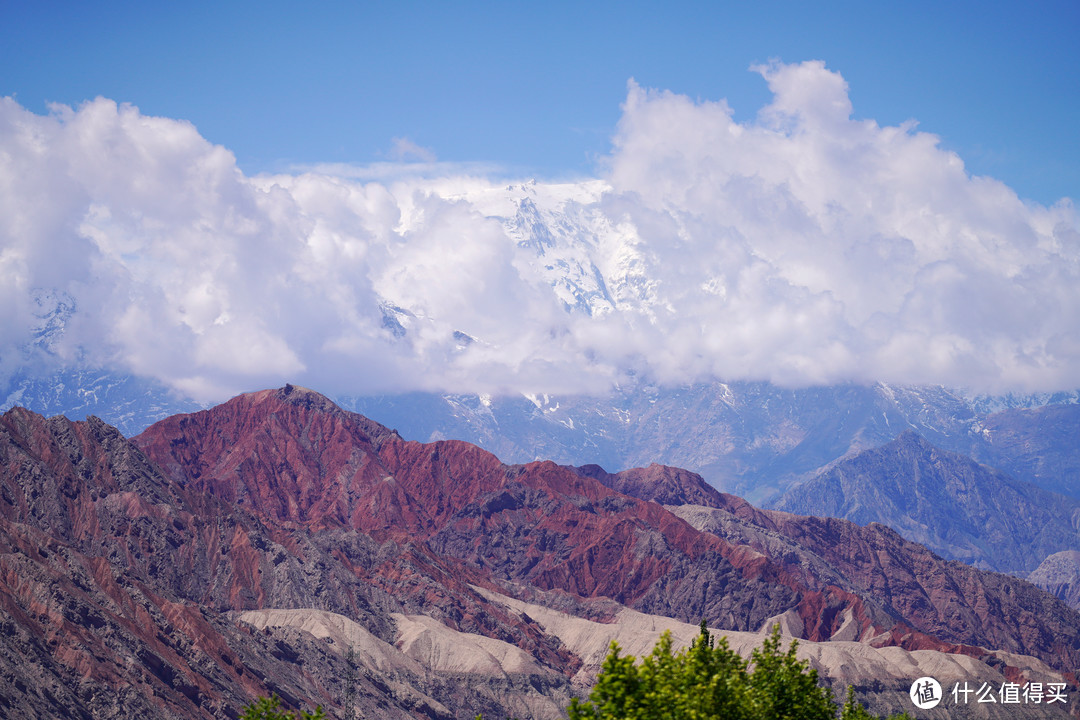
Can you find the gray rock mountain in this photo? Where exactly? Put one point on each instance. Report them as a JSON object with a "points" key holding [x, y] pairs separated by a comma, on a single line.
{"points": [[946, 501], [752, 439], [1059, 574]]}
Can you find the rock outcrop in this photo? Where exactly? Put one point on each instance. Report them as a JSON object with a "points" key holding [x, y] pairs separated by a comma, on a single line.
{"points": [[1059, 575], [248, 548]]}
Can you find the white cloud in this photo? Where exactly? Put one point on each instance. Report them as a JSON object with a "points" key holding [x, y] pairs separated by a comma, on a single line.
{"points": [[850, 251], [405, 150], [392, 172], [803, 247]]}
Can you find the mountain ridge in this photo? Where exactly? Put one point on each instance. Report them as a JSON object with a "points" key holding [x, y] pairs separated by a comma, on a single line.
{"points": [[947, 501], [280, 500]]}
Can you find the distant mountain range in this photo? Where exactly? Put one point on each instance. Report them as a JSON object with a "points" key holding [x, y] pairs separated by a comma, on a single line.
{"points": [[128, 403], [771, 445], [751, 438], [945, 501], [243, 549], [754, 439]]}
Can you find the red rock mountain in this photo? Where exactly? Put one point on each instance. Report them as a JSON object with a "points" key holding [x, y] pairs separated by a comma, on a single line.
{"points": [[124, 567], [291, 455], [947, 601], [293, 458], [118, 587]]}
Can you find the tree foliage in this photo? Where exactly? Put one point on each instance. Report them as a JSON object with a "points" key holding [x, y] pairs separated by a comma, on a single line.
{"points": [[269, 708], [710, 681]]}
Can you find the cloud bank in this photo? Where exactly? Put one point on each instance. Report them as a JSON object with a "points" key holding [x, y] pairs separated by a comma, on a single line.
{"points": [[803, 247]]}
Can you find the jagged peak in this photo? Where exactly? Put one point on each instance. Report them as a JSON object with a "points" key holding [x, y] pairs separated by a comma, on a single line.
{"points": [[291, 395], [911, 438], [287, 401], [663, 484]]}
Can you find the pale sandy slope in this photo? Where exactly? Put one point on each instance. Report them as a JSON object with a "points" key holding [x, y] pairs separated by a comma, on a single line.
{"points": [[424, 644]]}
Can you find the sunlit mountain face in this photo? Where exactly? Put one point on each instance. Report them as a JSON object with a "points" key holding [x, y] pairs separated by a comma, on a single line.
{"points": [[581, 324], [277, 543]]}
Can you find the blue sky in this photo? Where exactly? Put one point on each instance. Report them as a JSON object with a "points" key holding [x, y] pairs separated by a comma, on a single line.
{"points": [[536, 87]]}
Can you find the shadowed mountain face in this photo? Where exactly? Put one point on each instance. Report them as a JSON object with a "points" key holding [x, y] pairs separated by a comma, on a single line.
{"points": [[158, 576], [1040, 445], [948, 502], [753, 439], [107, 573], [118, 584]]}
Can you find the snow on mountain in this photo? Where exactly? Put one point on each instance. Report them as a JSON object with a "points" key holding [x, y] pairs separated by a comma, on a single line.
{"points": [[580, 243], [125, 401], [753, 439], [562, 237]]}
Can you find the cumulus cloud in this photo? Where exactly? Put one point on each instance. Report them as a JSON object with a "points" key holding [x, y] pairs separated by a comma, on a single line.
{"points": [[802, 247], [838, 249]]}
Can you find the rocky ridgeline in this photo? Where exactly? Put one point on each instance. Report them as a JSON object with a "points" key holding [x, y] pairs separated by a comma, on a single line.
{"points": [[244, 549]]}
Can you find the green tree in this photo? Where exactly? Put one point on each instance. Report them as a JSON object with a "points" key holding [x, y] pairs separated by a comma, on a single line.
{"points": [[854, 710], [709, 681], [269, 708], [784, 687]]}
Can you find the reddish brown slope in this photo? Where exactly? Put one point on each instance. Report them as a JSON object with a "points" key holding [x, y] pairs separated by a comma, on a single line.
{"points": [[295, 457], [114, 574], [950, 601], [280, 499], [99, 563], [291, 455]]}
